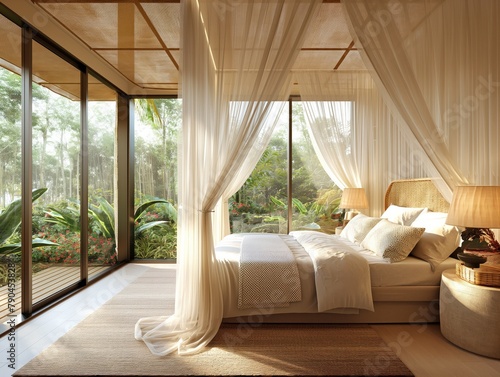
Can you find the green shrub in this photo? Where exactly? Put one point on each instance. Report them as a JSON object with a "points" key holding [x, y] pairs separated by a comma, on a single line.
{"points": [[157, 243]]}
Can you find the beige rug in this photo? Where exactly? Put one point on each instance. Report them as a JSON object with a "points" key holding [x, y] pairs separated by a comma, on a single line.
{"points": [[103, 344]]}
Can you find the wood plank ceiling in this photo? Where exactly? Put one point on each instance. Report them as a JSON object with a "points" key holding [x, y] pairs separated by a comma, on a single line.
{"points": [[141, 38]]}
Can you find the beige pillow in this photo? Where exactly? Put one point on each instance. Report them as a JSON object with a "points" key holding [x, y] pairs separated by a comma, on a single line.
{"points": [[439, 240], [402, 215], [393, 241], [357, 229]]}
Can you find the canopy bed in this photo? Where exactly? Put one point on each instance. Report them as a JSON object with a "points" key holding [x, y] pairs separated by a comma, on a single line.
{"points": [[221, 147], [395, 289]]}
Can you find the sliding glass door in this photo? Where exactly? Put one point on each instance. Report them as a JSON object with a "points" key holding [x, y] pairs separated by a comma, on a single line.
{"points": [[102, 128], [10, 169], [157, 128], [56, 157], [58, 164]]}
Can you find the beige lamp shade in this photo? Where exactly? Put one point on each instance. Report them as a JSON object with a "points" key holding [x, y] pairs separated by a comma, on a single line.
{"points": [[475, 207], [354, 198]]}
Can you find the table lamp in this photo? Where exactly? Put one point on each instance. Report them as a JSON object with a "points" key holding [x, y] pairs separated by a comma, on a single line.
{"points": [[353, 199], [476, 207]]}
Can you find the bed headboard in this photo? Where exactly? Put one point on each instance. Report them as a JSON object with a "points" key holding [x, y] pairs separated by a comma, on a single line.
{"points": [[419, 193]]}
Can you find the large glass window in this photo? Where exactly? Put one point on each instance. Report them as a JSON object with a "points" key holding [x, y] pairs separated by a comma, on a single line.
{"points": [[262, 203], [66, 143], [157, 126], [315, 198], [102, 107], [10, 169], [56, 172]]}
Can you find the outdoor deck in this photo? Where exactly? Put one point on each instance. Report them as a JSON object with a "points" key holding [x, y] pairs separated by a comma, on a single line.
{"points": [[45, 283]]}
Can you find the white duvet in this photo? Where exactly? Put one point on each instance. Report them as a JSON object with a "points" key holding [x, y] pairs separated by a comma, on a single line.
{"points": [[342, 276], [324, 287]]}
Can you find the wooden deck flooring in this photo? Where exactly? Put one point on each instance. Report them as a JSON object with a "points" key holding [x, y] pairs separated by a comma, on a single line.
{"points": [[45, 283]]}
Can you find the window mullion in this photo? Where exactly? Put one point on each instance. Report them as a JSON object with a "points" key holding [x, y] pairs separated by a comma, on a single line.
{"points": [[27, 172]]}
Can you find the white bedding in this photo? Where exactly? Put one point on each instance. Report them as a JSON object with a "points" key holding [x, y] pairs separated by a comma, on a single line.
{"points": [[268, 275], [412, 271], [342, 276]]}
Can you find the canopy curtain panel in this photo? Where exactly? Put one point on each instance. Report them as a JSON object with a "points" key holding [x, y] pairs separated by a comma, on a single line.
{"points": [[381, 30], [237, 114], [455, 58], [327, 102], [221, 64], [357, 139]]}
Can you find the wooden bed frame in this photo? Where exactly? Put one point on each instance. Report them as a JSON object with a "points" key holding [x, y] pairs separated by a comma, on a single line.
{"points": [[405, 304]]}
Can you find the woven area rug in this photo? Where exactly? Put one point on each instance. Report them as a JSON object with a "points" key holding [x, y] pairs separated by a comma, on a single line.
{"points": [[103, 344]]}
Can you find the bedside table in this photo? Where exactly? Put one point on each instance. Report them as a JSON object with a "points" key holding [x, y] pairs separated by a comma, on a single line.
{"points": [[469, 315]]}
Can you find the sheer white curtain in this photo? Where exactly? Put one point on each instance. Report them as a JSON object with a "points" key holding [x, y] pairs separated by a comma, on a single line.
{"points": [[455, 57], [383, 31], [242, 51], [221, 225], [327, 102], [367, 147]]}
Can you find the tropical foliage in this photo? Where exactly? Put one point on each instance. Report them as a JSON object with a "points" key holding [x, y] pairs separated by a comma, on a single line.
{"points": [[160, 244], [102, 217], [10, 222], [260, 205]]}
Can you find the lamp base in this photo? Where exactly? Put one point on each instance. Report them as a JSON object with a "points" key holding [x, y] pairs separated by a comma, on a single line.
{"points": [[492, 256], [471, 260]]}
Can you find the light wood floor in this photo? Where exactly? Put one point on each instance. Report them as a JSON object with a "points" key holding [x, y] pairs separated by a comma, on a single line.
{"points": [[45, 283], [421, 347]]}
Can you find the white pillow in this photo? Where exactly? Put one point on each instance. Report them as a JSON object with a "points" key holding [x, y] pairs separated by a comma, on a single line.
{"points": [[402, 215], [429, 219], [357, 228], [439, 239], [393, 241]]}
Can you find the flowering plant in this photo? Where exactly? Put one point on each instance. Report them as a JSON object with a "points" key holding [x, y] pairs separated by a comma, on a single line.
{"points": [[101, 250], [237, 209]]}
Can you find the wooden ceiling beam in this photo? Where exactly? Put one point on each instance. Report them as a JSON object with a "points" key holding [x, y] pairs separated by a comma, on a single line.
{"points": [[350, 48]]}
